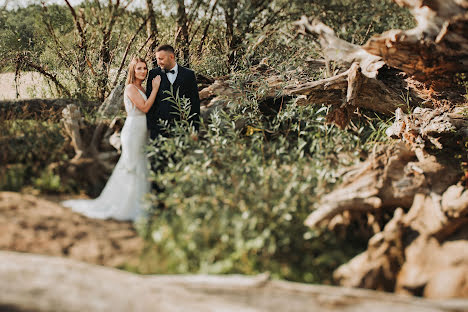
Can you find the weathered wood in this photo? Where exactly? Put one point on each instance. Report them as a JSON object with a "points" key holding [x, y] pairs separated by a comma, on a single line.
{"points": [[429, 127], [95, 155], [362, 80], [388, 179], [113, 103], [216, 95], [39, 283], [436, 49], [423, 252], [73, 122], [97, 147], [339, 50], [429, 55], [407, 176], [349, 90]]}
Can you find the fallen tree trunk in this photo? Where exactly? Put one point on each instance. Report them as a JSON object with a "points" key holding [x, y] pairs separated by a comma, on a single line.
{"points": [[408, 176], [96, 148], [39, 283], [420, 181], [423, 251], [393, 175], [436, 50], [421, 62]]}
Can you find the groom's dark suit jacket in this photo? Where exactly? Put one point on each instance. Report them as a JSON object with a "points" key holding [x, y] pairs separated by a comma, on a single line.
{"points": [[162, 108]]}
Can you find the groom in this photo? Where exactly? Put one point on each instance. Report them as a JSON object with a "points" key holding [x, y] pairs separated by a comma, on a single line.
{"points": [[180, 78]]}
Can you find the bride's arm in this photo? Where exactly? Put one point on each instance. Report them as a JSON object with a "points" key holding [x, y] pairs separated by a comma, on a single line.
{"points": [[138, 100]]}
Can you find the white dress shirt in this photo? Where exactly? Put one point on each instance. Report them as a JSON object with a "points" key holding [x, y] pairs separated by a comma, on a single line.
{"points": [[172, 76]]}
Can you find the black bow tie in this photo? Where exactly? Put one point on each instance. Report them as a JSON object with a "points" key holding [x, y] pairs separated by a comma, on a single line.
{"points": [[170, 71]]}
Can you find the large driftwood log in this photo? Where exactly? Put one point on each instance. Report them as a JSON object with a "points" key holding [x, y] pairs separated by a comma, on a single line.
{"points": [[96, 148], [428, 57], [423, 252], [387, 180], [362, 81], [392, 176], [436, 49], [407, 176], [113, 103], [39, 283]]}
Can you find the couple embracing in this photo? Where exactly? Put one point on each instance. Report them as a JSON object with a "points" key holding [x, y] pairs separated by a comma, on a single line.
{"points": [[122, 197]]}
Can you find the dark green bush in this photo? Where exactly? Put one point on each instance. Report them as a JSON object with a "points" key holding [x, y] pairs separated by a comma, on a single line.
{"points": [[234, 200], [28, 147]]}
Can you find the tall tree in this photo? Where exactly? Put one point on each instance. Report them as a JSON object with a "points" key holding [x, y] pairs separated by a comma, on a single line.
{"points": [[182, 37], [90, 54], [244, 17], [151, 30]]}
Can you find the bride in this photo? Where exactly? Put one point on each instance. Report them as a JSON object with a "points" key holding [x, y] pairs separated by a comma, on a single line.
{"points": [[122, 196]]}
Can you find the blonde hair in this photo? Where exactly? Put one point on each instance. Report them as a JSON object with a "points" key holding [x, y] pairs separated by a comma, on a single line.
{"points": [[131, 68]]}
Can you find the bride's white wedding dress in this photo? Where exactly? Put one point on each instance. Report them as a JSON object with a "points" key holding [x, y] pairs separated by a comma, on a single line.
{"points": [[121, 198]]}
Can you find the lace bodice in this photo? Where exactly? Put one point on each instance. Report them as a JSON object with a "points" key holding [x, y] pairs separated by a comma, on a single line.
{"points": [[130, 108]]}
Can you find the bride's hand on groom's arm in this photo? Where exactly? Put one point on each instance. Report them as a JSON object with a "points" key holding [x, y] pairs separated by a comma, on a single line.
{"points": [[156, 82]]}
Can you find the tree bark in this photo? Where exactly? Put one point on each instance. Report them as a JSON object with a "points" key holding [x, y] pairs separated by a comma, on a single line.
{"points": [[182, 38], [428, 55], [151, 31], [435, 50], [425, 174]]}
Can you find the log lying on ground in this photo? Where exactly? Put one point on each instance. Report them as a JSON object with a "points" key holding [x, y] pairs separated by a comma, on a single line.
{"points": [[216, 95], [39, 283], [430, 126], [265, 83], [392, 176], [96, 149], [422, 252], [418, 62], [436, 49], [387, 180], [362, 82]]}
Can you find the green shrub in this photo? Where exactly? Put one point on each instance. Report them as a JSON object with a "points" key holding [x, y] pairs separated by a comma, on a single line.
{"points": [[234, 199], [28, 147]]}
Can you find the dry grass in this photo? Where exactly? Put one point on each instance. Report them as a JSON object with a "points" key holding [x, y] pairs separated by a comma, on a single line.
{"points": [[30, 85]]}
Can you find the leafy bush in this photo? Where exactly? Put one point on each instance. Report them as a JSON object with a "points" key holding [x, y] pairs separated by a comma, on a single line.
{"points": [[28, 147], [234, 198]]}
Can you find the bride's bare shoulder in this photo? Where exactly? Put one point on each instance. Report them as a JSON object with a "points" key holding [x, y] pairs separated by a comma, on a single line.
{"points": [[131, 89]]}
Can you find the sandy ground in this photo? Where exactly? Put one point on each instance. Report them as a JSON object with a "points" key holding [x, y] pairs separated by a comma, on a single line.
{"points": [[31, 85], [37, 225]]}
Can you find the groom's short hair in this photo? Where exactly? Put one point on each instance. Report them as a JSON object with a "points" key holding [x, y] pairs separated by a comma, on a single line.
{"points": [[166, 47]]}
